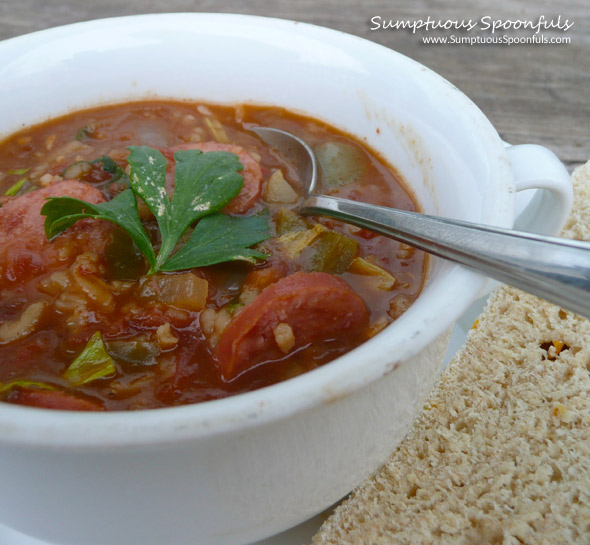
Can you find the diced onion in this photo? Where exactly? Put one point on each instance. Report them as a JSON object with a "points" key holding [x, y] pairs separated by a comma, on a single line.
{"points": [[84, 275], [25, 325], [186, 290], [278, 190], [152, 134], [383, 279], [341, 164]]}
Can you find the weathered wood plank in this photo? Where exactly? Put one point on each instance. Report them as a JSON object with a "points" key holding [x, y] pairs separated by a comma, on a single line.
{"points": [[531, 93]]}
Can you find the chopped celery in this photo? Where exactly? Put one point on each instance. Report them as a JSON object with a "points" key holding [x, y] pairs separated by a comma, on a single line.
{"points": [[19, 171], [217, 130], [93, 363], [321, 249], [384, 279], [14, 189], [341, 164], [287, 220], [7, 386], [332, 252], [293, 243]]}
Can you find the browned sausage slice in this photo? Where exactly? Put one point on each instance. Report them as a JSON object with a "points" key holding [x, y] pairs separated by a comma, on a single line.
{"points": [[252, 174], [25, 251], [313, 305]]}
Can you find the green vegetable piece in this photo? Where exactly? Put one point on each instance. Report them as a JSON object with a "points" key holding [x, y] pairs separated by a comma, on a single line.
{"points": [[332, 252], [287, 221], [19, 171], [204, 183], [14, 189], [73, 171], [110, 165], [83, 133], [63, 212], [341, 164], [218, 238], [6, 387], [217, 130], [134, 352], [93, 363], [293, 243], [319, 249]]}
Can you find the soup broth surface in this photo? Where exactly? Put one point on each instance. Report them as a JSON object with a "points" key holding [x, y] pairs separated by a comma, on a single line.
{"points": [[84, 325]]}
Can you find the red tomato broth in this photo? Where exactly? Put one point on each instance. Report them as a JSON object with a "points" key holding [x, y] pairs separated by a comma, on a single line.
{"points": [[187, 372]]}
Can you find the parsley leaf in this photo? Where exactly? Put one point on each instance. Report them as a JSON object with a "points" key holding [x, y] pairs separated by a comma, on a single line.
{"points": [[218, 238], [63, 212], [204, 184]]}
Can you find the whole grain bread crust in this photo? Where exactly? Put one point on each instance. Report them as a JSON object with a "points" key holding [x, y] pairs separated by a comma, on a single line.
{"points": [[501, 452]]}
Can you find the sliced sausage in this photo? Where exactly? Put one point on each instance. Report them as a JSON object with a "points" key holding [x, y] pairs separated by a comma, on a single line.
{"points": [[52, 399], [315, 306], [25, 251], [252, 174]]}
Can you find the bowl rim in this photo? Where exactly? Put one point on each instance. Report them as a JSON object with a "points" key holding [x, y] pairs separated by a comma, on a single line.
{"points": [[66, 429]]}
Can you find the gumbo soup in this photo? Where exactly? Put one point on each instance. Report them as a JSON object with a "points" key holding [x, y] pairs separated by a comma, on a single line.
{"points": [[151, 255]]}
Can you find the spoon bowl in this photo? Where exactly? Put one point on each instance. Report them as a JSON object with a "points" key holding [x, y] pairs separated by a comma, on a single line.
{"points": [[296, 151]]}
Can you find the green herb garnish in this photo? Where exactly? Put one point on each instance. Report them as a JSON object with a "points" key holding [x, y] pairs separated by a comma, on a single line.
{"points": [[218, 236], [7, 386], [93, 363], [18, 171], [82, 133], [15, 188], [204, 184], [63, 212]]}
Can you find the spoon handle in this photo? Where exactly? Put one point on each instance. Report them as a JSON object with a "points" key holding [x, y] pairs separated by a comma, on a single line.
{"points": [[555, 269]]}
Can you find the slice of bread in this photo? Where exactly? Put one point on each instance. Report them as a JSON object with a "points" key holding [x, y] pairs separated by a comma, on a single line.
{"points": [[501, 452]]}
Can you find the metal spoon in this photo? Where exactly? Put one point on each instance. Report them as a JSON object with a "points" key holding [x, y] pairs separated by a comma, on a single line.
{"points": [[553, 268]]}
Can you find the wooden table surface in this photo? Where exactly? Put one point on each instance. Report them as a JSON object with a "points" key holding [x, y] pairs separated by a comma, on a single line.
{"points": [[537, 93]]}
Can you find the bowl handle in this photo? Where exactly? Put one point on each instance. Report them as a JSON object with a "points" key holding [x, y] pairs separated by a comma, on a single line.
{"points": [[537, 168]]}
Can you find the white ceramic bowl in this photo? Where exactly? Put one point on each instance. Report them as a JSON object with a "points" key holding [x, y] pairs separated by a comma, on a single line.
{"points": [[239, 469]]}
